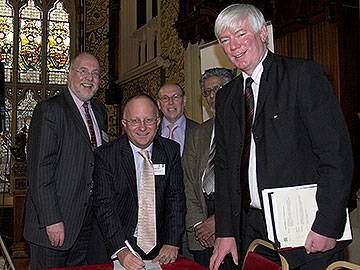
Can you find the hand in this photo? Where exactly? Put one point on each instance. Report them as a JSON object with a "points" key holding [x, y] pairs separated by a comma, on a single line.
{"points": [[210, 242], [318, 243], [205, 231], [56, 234], [129, 260], [223, 246], [167, 254]]}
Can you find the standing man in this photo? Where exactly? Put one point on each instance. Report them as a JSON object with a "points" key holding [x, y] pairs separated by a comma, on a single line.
{"points": [[199, 175], [119, 189], [174, 125], [63, 133], [277, 125]]}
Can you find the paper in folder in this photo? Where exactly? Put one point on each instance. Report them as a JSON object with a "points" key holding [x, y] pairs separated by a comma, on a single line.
{"points": [[290, 213]]}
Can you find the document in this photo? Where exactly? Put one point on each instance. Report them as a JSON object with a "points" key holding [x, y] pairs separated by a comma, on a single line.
{"points": [[149, 265], [290, 213]]}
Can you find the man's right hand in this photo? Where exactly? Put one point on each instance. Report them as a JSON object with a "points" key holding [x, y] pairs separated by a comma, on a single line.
{"points": [[129, 260], [223, 246], [56, 234]]}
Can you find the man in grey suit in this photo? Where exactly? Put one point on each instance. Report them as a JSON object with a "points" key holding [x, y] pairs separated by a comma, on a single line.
{"points": [[199, 174], [174, 125], [118, 181], [62, 136], [278, 124]]}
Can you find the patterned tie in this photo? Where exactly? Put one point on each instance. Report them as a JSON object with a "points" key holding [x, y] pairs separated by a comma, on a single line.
{"points": [[249, 114], [171, 128], [146, 238], [209, 175], [90, 125]]}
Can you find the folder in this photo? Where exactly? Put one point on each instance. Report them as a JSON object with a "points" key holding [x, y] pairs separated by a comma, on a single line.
{"points": [[290, 213]]}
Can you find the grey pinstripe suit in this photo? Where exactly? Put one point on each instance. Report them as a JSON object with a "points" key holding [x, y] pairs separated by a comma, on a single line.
{"points": [[60, 166], [116, 199]]}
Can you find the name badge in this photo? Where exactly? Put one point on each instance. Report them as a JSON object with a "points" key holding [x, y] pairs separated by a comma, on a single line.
{"points": [[159, 169], [105, 136]]}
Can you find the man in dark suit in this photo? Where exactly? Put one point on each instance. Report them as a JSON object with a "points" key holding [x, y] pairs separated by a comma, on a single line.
{"points": [[199, 174], [117, 187], [296, 135], [174, 125], [60, 165]]}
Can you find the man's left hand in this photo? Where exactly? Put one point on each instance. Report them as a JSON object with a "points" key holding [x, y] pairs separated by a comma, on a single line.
{"points": [[167, 254], [318, 243], [206, 229]]}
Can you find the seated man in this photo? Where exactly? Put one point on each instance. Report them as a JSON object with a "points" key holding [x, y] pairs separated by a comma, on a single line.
{"points": [[139, 169]]}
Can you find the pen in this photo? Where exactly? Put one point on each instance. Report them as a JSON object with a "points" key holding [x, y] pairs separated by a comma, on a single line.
{"points": [[131, 249]]}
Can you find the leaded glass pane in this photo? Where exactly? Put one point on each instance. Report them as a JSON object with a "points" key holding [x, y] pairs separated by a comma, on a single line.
{"points": [[58, 46], [30, 43], [25, 108], [5, 154], [6, 37]]}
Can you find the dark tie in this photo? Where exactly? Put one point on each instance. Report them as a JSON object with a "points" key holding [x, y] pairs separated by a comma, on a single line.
{"points": [[209, 175], [90, 125], [249, 115]]}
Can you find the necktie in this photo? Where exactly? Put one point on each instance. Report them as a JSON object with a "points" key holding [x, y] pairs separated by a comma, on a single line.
{"points": [[171, 128], [249, 115], [146, 238], [209, 175], [90, 125]]}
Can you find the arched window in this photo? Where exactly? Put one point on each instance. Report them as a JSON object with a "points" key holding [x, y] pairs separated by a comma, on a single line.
{"points": [[35, 48]]}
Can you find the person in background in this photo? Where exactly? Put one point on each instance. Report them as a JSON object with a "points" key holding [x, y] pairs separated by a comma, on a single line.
{"points": [[278, 124], [119, 191], [174, 124], [64, 131], [199, 175]]}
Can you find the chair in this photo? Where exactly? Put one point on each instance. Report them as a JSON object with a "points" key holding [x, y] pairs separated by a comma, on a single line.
{"points": [[7, 262], [255, 261], [343, 265]]}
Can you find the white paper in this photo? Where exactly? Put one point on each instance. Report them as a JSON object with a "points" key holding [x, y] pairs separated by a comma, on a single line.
{"points": [[149, 265], [294, 210]]}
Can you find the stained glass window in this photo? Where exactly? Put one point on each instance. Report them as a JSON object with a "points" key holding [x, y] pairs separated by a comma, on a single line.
{"points": [[30, 43], [6, 37], [58, 46]]}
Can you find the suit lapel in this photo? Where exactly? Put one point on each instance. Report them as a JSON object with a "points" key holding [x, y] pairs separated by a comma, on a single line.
{"points": [[265, 87], [79, 123], [205, 139], [128, 166]]}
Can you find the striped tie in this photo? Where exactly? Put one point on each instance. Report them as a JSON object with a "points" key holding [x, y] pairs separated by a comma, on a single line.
{"points": [[209, 175], [90, 125], [249, 114], [171, 128]]}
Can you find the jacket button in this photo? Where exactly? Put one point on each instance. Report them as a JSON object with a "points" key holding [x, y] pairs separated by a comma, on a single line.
{"points": [[236, 213]]}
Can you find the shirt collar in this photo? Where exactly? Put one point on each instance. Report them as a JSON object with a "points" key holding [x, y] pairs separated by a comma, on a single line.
{"points": [[180, 122], [136, 149]]}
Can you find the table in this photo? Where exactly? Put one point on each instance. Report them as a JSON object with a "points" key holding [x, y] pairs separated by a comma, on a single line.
{"points": [[181, 263]]}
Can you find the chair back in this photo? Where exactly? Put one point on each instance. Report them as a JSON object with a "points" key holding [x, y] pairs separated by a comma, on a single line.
{"points": [[255, 261], [343, 265]]}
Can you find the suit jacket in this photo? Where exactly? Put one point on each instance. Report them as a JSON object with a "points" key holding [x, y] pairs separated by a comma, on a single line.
{"points": [[194, 163], [116, 198], [60, 166], [300, 136]]}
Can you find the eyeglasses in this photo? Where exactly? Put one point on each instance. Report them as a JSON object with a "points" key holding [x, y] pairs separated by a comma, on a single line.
{"points": [[137, 122], [174, 98], [84, 72], [207, 91]]}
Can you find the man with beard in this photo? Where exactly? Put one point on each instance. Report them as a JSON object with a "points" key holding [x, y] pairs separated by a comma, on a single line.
{"points": [[64, 131]]}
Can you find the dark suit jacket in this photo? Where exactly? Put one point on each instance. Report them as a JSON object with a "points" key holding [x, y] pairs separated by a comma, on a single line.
{"points": [[194, 163], [300, 136], [116, 199], [60, 166]]}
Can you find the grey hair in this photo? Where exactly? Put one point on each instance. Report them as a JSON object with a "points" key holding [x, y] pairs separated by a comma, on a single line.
{"points": [[229, 18], [225, 74]]}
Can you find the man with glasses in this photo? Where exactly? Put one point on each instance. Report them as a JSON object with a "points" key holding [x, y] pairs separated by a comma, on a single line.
{"points": [[63, 133], [118, 188], [199, 176], [174, 125]]}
